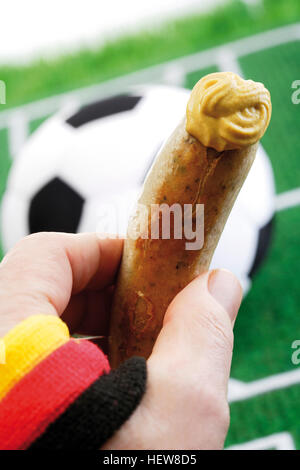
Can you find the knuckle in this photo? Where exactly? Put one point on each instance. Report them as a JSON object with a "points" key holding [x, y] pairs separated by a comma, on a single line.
{"points": [[37, 242]]}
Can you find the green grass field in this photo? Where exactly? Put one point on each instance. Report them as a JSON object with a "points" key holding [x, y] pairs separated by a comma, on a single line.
{"points": [[269, 320]]}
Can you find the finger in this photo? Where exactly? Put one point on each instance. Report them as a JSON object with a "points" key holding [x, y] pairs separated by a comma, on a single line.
{"points": [[197, 329], [43, 270]]}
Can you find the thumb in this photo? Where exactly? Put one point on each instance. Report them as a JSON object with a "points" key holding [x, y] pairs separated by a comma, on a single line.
{"points": [[197, 336]]}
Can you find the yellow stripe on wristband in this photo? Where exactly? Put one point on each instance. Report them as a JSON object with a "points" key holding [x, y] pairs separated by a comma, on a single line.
{"points": [[2, 352], [28, 344]]}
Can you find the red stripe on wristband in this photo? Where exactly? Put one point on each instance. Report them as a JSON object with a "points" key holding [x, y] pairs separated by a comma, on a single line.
{"points": [[47, 390]]}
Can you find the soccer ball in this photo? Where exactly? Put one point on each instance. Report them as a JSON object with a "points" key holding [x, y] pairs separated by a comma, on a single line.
{"points": [[78, 163]]}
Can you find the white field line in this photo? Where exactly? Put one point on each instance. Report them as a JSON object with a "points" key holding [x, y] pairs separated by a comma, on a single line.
{"points": [[227, 61], [279, 441], [287, 199], [18, 132], [157, 73], [239, 391]]}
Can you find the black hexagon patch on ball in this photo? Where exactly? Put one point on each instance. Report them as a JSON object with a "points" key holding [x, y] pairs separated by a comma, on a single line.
{"points": [[56, 207]]}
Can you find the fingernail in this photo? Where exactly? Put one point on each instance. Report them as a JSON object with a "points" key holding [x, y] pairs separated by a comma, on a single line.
{"points": [[227, 291]]}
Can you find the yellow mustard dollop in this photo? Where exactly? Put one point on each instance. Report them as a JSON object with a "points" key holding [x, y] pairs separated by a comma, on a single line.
{"points": [[226, 112]]}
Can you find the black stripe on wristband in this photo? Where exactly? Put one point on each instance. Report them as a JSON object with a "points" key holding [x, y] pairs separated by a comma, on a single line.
{"points": [[99, 411]]}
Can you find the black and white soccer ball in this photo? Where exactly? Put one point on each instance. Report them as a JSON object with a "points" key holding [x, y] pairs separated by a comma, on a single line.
{"points": [[76, 165]]}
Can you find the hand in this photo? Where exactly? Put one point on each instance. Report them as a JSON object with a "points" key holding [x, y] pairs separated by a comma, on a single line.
{"points": [[185, 404], [60, 274]]}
